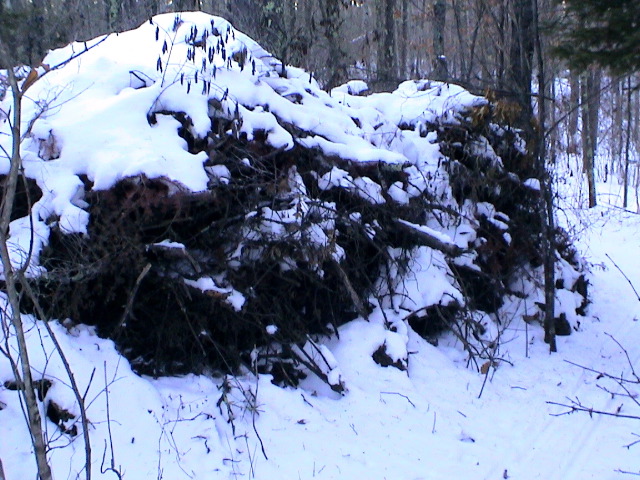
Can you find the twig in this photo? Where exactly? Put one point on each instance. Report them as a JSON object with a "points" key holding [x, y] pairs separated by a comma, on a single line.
{"points": [[578, 407], [628, 473], [623, 274], [254, 411], [625, 210], [400, 395], [132, 296], [628, 446], [486, 377], [626, 353], [112, 467], [357, 301], [604, 374]]}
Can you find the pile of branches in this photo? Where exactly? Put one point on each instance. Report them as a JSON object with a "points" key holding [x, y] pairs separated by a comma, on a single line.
{"points": [[305, 224], [285, 245]]}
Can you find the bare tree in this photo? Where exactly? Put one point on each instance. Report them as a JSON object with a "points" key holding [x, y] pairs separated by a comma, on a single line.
{"points": [[332, 22], [546, 203], [23, 375], [16, 282], [521, 59], [386, 42], [590, 101], [440, 69]]}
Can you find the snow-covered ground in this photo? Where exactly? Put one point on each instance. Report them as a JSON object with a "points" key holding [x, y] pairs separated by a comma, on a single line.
{"points": [[439, 419], [427, 423]]}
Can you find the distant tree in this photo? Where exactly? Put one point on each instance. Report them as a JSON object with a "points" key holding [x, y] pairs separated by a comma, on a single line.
{"points": [[521, 61], [605, 33], [331, 25], [598, 34], [439, 19], [386, 66], [590, 102], [184, 5]]}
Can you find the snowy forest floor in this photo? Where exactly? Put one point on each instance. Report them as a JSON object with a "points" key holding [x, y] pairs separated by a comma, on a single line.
{"points": [[435, 421]]}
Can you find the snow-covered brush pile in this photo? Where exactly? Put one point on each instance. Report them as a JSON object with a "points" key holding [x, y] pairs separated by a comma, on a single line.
{"points": [[208, 208]]}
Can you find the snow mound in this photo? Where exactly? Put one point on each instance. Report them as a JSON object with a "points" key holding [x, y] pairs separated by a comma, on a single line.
{"points": [[106, 114]]}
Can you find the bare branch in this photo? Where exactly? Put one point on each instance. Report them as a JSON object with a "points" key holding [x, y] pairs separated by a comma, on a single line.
{"points": [[577, 406], [625, 276]]}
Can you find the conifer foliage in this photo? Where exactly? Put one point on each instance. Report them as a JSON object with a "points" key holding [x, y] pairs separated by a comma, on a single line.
{"points": [[601, 33]]}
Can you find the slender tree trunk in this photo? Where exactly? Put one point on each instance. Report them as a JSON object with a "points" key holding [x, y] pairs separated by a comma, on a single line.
{"points": [[574, 108], [553, 135], [502, 22], [590, 108], [546, 210], [186, 5], [617, 134], [440, 69], [520, 60], [332, 21], [405, 39], [386, 44], [627, 150], [10, 276], [36, 34]]}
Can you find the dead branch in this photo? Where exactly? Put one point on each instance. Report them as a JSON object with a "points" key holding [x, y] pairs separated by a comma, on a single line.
{"points": [[625, 472], [423, 237], [626, 353], [357, 302], [629, 445], [400, 395], [132, 296], [625, 276], [576, 406], [602, 374]]}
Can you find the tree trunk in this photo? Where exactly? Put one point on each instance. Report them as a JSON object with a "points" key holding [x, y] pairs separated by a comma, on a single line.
{"points": [[405, 39], [627, 149], [520, 60], [590, 93], [386, 43], [574, 108], [501, 53], [36, 33], [440, 69], [546, 210], [23, 377], [114, 14], [187, 5], [331, 22]]}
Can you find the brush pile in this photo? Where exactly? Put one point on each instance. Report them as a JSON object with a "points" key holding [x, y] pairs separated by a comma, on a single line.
{"points": [[209, 208]]}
